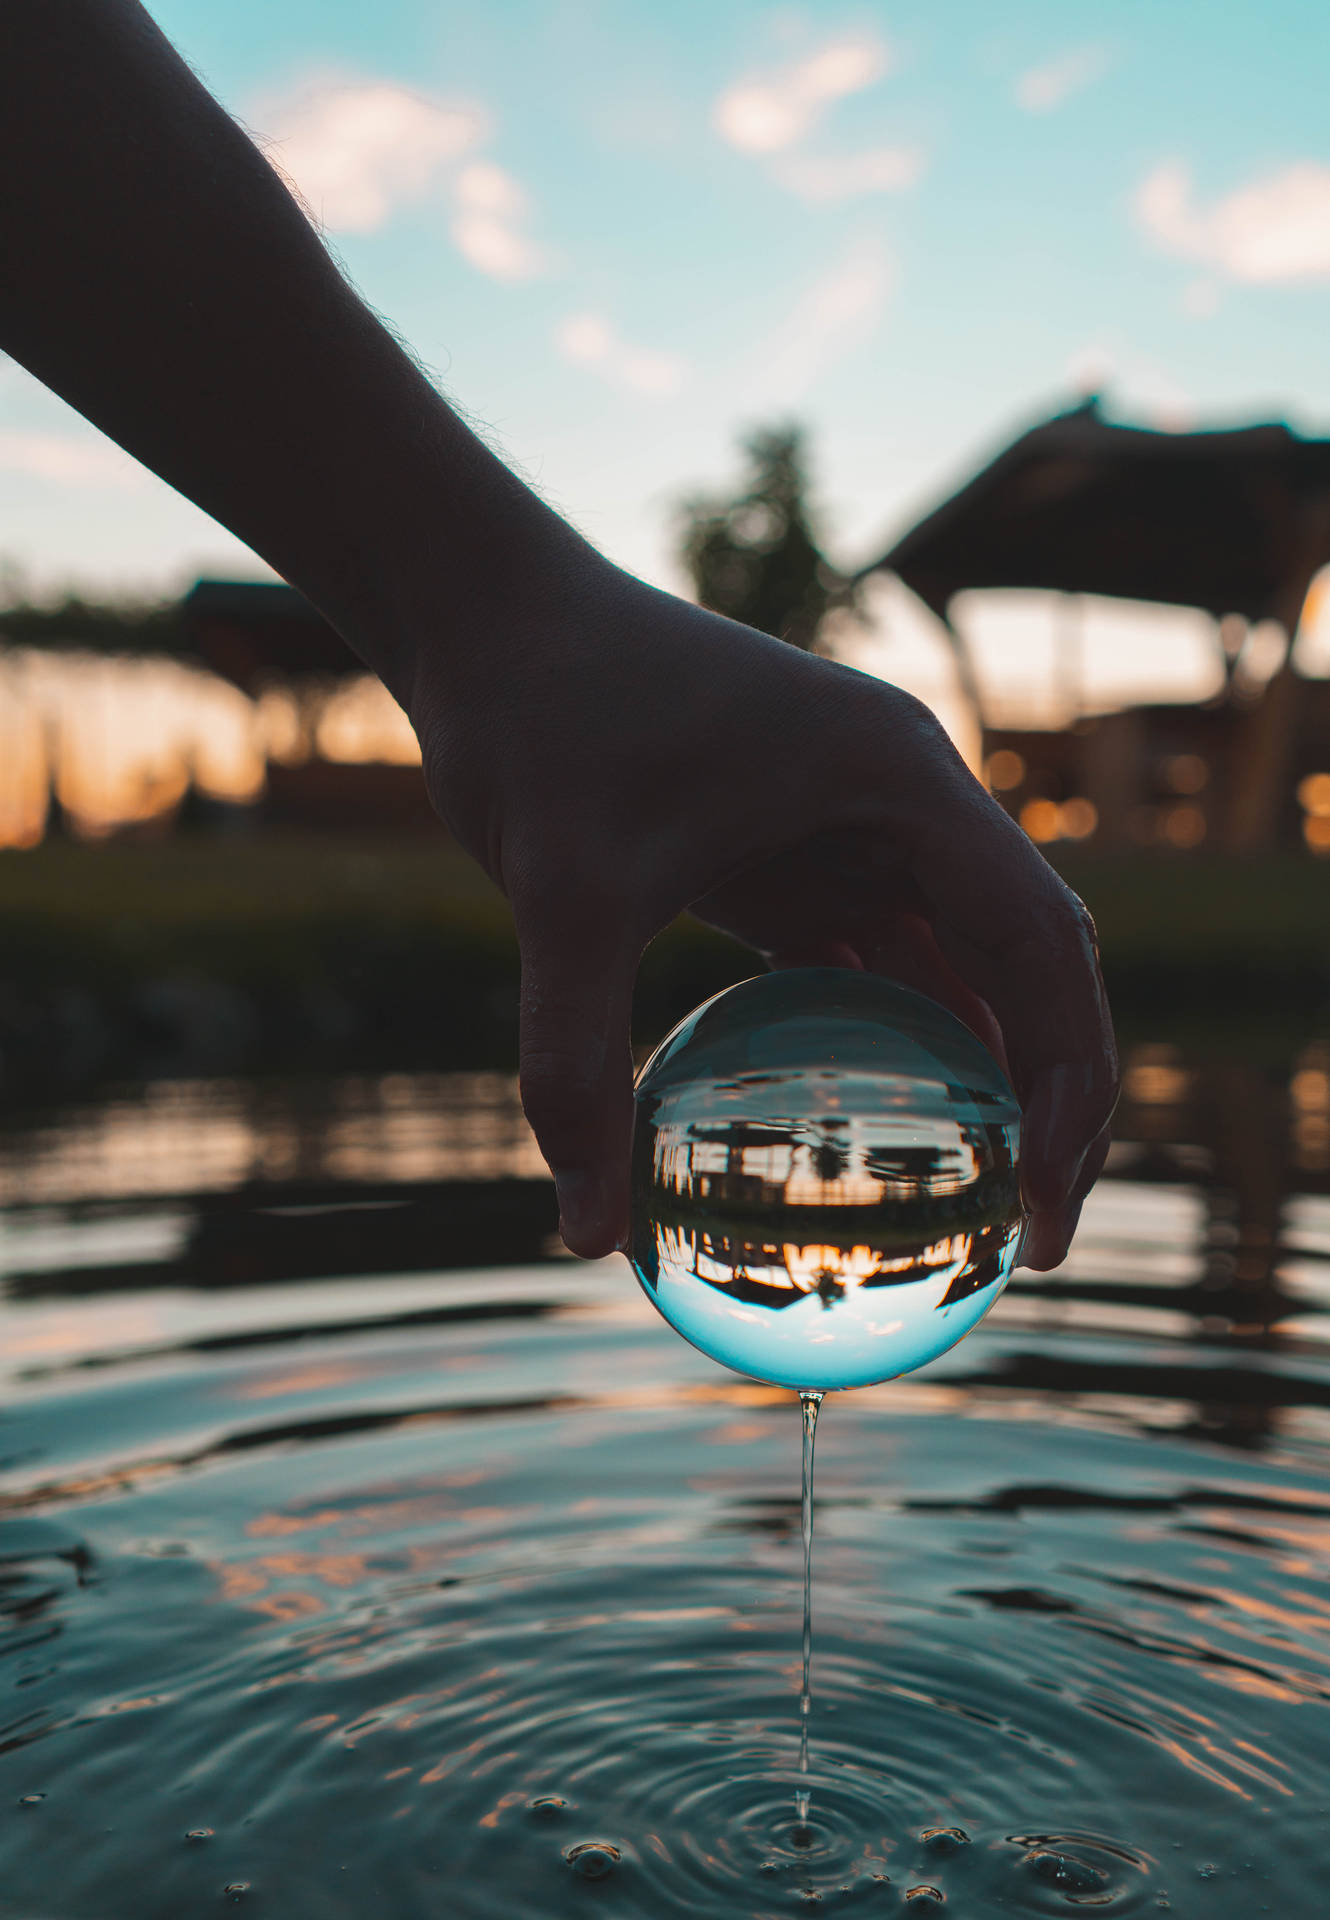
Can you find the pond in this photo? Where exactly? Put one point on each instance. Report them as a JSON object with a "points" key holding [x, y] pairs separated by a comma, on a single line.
{"points": [[360, 1555]]}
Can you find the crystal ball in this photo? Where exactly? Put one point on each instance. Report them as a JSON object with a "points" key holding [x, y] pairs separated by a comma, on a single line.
{"points": [[826, 1190]]}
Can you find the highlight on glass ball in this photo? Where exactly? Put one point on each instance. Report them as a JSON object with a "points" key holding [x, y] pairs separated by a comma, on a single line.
{"points": [[826, 1190]]}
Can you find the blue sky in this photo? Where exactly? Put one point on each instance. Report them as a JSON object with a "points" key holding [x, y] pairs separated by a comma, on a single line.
{"points": [[622, 232]]}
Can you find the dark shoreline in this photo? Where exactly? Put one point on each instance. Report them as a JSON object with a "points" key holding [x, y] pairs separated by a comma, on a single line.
{"points": [[205, 956]]}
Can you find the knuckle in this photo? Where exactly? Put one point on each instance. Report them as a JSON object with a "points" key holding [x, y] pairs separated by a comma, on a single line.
{"points": [[915, 735], [1082, 921]]}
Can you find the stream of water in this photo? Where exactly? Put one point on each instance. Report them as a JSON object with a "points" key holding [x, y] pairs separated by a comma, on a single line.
{"points": [[808, 1408]]}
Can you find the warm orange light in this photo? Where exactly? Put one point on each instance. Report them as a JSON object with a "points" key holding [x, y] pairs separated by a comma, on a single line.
{"points": [[1155, 1077], [1042, 819], [1313, 607], [1314, 793], [1316, 832], [361, 721], [1186, 773], [278, 733], [1310, 1090], [1080, 817], [1005, 770], [1183, 826]]}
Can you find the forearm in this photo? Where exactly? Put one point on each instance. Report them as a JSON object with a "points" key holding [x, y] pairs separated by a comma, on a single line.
{"points": [[156, 273]]}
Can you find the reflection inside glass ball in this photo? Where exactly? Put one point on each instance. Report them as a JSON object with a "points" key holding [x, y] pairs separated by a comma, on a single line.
{"points": [[825, 1180]]}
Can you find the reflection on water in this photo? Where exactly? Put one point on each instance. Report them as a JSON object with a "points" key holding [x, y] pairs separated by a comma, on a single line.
{"points": [[438, 1589], [201, 1136]]}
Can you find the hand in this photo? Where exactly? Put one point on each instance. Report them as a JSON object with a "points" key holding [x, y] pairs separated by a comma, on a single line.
{"points": [[624, 755], [610, 755]]}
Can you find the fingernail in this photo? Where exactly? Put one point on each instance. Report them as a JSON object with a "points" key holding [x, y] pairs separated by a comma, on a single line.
{"points": [[1041, 1245], [1022, 1240]]}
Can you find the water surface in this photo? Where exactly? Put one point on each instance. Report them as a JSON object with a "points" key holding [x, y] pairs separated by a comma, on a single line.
{"points": [[435, 1587]]}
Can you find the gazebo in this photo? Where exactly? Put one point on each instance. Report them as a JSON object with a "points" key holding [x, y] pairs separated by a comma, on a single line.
{"points": [[1234, 521]]}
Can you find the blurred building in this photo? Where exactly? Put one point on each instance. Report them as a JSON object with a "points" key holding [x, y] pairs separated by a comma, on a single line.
{"points": [[1233, 521], [1233, 775], [266, 639]]}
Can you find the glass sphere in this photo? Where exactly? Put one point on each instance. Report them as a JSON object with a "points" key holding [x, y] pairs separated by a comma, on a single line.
{"points": [[825, 1180]]}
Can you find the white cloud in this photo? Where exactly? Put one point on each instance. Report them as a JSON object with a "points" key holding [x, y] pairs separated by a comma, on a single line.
{"points": [[589, 340], [838, 313], [490, 214], [1200, 301], [72, 460], [1275, 230], [358, 151], [1042, 89], [763, 113], [820, 178]]}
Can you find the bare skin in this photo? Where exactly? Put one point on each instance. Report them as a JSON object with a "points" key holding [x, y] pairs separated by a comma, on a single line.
{"points": [[611, 755]]}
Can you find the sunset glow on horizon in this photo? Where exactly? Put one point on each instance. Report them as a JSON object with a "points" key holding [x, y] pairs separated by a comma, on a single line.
{"points": [[624, 238], [119, 742]]}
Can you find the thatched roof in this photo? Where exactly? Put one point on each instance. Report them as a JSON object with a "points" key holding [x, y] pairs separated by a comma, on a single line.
{"points": [[1231, 521]]}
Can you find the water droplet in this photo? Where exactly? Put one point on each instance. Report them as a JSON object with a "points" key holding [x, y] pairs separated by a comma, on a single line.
{"points": [[31, 1799], [1066, 1872], [944, 1841], [1207, 1871], [546, 1806], [236, 1889], [593, 1859], [925, 1896], [196, 1834], [825, 1190]]}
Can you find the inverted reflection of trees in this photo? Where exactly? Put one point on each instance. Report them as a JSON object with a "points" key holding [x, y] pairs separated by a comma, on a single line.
{"points": [[777, 1276]]}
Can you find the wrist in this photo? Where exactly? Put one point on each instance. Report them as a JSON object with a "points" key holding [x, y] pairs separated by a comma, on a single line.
{"points": [[444, 561]]}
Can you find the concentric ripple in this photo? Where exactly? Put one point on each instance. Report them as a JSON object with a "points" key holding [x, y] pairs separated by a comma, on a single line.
{"points": [[486, 1654]]}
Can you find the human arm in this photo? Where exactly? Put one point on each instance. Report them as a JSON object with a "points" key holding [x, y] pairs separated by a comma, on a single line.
{"points": [[610, 754]]}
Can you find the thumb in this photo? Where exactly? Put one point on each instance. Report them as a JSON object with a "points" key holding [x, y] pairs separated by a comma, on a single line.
{"points": [[577, 1076]]}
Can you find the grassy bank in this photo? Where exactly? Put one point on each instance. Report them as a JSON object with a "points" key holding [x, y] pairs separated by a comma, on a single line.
{"points": [[181, 896], [204, 955], [213, 954], [1208, 914]]}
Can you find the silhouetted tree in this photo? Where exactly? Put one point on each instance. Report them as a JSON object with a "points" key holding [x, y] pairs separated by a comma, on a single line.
{"points": [[755, 558], [94, 626], [831, 1158]]}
